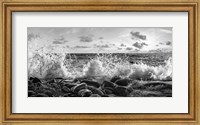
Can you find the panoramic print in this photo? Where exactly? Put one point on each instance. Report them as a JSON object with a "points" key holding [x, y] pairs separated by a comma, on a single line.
{"points": [[99, 61]]}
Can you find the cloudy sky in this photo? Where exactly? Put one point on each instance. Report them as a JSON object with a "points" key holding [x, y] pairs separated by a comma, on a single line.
{"points": [[98, 39]]}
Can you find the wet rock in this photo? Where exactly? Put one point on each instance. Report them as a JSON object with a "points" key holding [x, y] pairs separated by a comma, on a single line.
{"points": [[123, 82], [95, 90], [95, 95], [129, 89], [39, 90], [65, 89], [49, 93], [121, 91], [38, 84], [69, 85], [111, 95], [55, 85], [107, 84], [91, 83], [79, 79], [30, 83], [115, 78], [70, 95], [41, 95], [78, 87], [31, 78], [108, 91], [85, 93], [59, 78], [52, 81], [30, 93], [36, 80], [65, 95], [31, 87], [66, 82]]}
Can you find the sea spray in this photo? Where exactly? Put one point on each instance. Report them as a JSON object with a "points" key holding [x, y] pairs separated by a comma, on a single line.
{"points": [[101, 66], [45, 66], [145, 72]]}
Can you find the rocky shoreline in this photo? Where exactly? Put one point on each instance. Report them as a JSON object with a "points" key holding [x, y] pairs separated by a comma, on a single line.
{"points": [[83, 87]]}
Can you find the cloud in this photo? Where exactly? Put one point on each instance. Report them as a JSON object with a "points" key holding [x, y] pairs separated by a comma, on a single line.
{"points": [[32, 36], [81, 47], [137, 36], [140, 45], [88, 38], [112, 44], [60, 40], [123, 45], [101, 38], [136, 50], [119, 48], [102, 46], [168, 43], [129, 48], [166, 30], [161, 43]]}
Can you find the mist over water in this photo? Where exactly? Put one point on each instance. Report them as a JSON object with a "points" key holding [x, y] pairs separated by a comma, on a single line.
{"points": [[151, 66]]}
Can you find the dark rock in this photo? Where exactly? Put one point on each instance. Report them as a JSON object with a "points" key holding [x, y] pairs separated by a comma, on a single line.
{"points": [[58, 78], [129, 89], [55, 85], [105, 96], [30, 93], [69, 85], [121, 91], [32, 96], [31, 78], [108, 91], [91, 83], [78, 87], [85, 93], [123, 82], [52, 81], [65, 89], [30, 87], [79, 79], [95, 95], [107, 84], [115, 78], [158, 85], [38, 84], [30, 83], [95, 90], [66, 82], [39, 90], [41, 95], [49, 93], [111, 95], [65, 95], [36, 80], [69, 95]]}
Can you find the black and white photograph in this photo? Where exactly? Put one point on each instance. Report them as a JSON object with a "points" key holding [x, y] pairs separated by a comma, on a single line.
{"points": [[99, 61]]}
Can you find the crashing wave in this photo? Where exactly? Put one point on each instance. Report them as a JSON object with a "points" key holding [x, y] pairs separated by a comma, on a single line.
{"points": [[103, 66]]}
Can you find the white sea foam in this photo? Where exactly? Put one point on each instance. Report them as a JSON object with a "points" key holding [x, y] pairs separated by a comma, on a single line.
{"points": [[101, 67]]}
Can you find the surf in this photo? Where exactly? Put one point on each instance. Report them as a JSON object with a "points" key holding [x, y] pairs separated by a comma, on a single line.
{"points": [[100, 66]]}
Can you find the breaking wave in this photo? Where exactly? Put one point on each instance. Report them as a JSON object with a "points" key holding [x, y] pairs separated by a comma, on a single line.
{"points": [[103, 66]]}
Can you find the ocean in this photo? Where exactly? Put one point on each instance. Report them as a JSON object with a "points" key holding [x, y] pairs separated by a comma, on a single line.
{"points": [[142, 66]]}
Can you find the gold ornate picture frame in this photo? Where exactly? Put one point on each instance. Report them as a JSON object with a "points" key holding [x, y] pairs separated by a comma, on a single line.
{"points": [[9, 6]]}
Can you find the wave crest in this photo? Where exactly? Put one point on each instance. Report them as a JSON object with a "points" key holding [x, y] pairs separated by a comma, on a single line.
{"points": [[104, 66]]}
